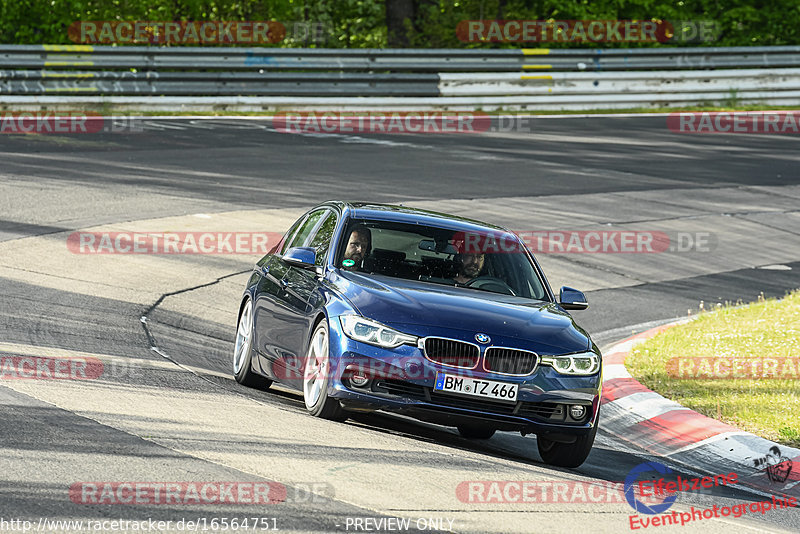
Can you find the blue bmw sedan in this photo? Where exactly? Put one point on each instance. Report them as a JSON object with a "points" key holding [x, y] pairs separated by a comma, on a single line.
{"points": [[367, 307]]}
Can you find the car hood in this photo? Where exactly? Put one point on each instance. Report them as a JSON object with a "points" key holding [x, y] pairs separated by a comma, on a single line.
{"points": [[431, 309]]}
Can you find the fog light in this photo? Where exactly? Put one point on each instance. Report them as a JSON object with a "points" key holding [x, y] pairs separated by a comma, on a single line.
{"points": [[577, 411], [359, 380]]}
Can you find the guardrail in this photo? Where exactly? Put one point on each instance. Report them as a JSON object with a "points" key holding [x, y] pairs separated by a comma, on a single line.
{"points": [[501, 78]]}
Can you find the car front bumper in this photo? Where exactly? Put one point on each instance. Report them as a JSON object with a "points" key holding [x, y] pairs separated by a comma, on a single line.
{"points": [[402, 380]]}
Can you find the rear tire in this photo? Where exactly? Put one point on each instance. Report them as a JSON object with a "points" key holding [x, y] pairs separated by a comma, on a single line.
{"points": [[316, 377], [476, 432], [243, 351], [569, 455]]}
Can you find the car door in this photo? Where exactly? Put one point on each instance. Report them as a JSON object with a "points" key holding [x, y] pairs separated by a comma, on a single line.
{"points": [[304, 284], [282, 313], [279, 309]]}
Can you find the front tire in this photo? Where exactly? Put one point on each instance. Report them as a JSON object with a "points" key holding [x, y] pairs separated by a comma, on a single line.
{"points": [[243, 351], [568, 455], [316, 377]]}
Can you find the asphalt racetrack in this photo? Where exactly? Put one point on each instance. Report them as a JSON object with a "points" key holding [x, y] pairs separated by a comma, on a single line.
{"points": [[166, 408]]}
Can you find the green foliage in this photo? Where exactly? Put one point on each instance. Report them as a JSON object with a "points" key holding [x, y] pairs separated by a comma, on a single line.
{"points": [[362, 23], [790, 435], [767, 328]]}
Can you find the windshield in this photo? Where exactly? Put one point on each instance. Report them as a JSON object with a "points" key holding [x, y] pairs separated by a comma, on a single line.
{"points": [[482, 261]]}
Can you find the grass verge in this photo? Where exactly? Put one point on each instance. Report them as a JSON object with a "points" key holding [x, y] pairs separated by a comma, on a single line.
{"points": [[768, 407]]}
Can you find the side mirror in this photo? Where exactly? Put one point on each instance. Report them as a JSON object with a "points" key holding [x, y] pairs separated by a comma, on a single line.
{"points": [[572, 299], [303, 257]]}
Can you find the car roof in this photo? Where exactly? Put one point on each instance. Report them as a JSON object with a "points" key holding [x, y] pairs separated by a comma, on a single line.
{"points": [[398, 213]]}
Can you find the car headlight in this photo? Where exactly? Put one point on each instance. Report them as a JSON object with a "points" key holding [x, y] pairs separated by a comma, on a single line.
{"points": [[372, 332], [583, 364]]}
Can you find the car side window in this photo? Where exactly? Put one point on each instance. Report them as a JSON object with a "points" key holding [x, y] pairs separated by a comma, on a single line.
{"points": [[321, 241], [305, 230], [287, 239]]}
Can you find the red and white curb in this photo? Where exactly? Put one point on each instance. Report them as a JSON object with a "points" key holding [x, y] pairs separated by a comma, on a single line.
{"points": [[635, 414]]}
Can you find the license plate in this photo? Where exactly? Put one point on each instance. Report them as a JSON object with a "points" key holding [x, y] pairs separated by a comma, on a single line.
{"points": [[476, 387]]}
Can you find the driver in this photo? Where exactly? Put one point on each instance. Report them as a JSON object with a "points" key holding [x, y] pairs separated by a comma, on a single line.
{"points": [[469, 267], [358, 246]]}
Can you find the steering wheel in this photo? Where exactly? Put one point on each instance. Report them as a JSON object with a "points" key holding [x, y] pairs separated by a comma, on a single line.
{"points": [[490, 283]]}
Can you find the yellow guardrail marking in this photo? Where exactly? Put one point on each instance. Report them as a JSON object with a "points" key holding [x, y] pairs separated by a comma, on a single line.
{"points": [[541, 77], [535, 51], [68, 63], [46, 74], [69, 48], [533, 67]]}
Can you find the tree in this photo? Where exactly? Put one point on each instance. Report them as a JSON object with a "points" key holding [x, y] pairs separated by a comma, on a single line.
{"points": [[399, 16]]}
